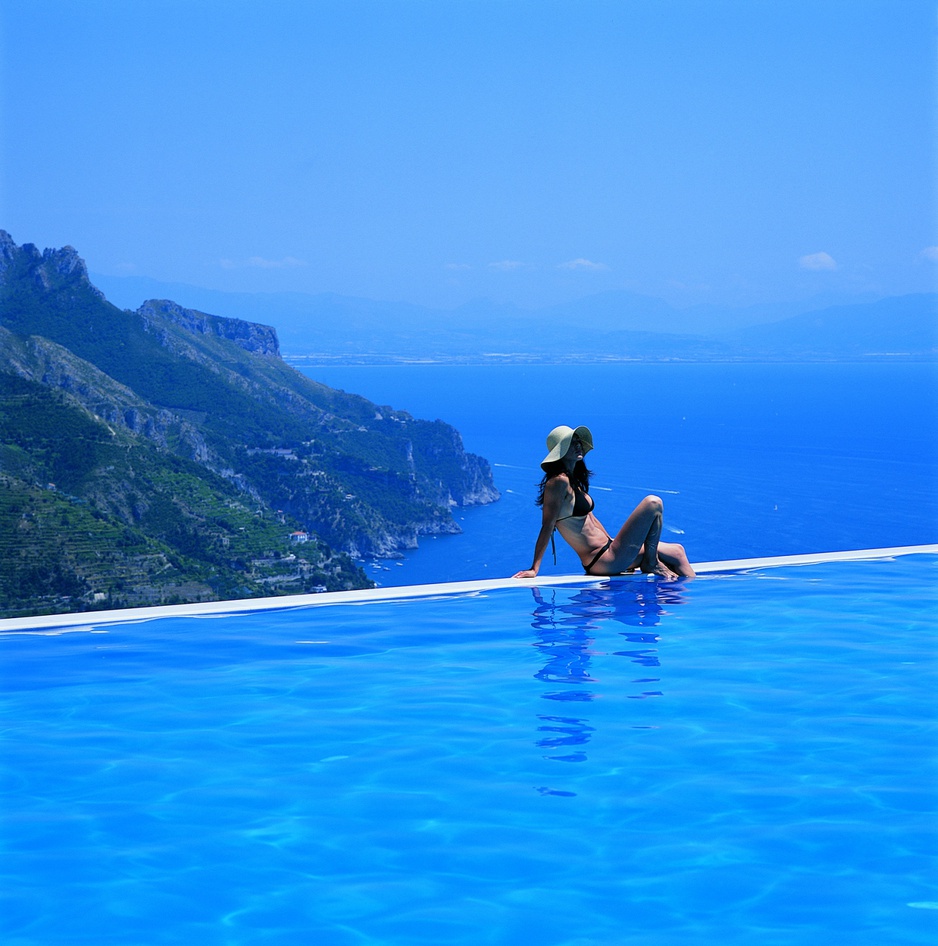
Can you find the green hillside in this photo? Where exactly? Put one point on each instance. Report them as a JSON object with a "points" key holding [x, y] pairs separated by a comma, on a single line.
{"points": [[90, 517], [169, 455]]}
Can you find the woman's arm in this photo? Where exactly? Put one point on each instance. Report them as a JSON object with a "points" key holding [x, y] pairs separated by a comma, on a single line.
{"points": [[554, 494]]}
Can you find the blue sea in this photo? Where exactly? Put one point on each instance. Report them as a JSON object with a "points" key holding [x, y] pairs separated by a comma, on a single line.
{"points": [[750, 459]]}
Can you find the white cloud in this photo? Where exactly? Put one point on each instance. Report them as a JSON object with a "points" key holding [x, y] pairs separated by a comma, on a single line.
{"points": [[288, 262], [930, 253], [584, 264], [258, 262], [506, 265], [818, 262], [458, 266]]}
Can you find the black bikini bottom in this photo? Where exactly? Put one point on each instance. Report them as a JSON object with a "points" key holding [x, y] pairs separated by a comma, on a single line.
{"points": [[597, 557]]}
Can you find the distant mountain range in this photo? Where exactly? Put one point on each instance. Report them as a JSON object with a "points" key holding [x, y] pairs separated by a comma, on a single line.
{"points": [[611, 326], [165, 454]]}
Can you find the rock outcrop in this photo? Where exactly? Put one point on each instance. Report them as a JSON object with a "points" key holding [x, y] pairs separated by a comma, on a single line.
{"points": [[251, 336]]}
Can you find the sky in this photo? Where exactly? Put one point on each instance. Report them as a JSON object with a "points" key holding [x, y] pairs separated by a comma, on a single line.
{"points": [[436, 152]]}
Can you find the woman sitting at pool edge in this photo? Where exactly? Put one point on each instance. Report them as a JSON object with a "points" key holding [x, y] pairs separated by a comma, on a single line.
{"points": [[568, 507]]}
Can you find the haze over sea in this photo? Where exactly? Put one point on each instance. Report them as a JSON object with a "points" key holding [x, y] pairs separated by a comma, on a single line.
{"points": [[750, 459]]}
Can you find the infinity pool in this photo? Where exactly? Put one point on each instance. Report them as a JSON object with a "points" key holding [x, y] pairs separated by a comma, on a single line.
{"points": [[748, 758]]}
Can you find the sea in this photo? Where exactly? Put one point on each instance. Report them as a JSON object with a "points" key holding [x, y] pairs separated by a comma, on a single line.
{"points": [[751, 460]]}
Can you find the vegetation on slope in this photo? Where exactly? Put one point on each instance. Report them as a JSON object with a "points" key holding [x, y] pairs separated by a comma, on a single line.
{"points": [[92, 517], [166, 454]]}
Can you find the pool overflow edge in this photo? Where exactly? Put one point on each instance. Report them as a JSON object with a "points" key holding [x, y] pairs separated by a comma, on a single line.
{"points": [[86, 620]]}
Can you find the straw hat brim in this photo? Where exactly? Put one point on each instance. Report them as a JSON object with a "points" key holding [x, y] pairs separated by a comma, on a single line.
{"points": [[560, 438]]}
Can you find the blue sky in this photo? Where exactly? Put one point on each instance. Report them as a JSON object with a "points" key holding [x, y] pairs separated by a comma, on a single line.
{"points": [[724, 151]]}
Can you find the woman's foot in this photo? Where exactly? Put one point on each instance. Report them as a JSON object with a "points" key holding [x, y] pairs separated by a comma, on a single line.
{"points": [[658, 568]]}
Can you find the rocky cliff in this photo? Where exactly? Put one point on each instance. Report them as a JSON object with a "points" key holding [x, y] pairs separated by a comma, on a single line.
{"points": [[47, 268], [166, 385], [260, 339]]}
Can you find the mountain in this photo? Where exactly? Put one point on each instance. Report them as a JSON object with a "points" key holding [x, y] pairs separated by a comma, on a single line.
{"points": [[899, 326], [616, 325], [167, 454]]}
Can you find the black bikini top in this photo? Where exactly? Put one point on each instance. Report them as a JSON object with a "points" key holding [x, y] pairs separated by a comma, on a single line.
{"points": [[582, 505]]}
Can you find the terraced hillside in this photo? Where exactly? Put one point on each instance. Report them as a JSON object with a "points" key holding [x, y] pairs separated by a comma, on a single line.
{"points": [[167, 454], [93, 517]]}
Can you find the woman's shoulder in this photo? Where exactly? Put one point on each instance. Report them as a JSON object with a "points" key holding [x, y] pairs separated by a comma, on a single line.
{"points": [[558, 483]]}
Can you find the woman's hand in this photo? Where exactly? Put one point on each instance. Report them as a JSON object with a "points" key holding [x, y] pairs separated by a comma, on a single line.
{"points": [[555, 492], [527, 573]]}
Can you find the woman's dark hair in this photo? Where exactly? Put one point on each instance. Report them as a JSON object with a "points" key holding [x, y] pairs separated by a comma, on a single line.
{"points": [[579, 478]]}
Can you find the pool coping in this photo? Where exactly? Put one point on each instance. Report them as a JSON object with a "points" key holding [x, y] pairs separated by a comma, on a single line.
{"points": [[83, 620]]}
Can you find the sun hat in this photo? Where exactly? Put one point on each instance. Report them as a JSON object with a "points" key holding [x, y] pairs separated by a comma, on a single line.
{"points": [[559, 440]]}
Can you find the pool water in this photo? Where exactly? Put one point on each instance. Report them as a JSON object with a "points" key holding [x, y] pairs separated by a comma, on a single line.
{"points": [[746, 758]]}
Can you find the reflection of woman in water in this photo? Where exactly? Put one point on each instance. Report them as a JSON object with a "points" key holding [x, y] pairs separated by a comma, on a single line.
{"points": [[568, 507]]}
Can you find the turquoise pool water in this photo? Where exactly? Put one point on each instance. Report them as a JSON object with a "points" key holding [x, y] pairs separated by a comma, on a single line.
{"points": [[749, 758]]}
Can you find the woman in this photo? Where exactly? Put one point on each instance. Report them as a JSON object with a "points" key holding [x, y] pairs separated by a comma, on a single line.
{"points": [[568, 507]]}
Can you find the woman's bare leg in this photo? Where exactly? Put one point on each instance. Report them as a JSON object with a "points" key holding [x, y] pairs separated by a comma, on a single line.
{"points": [[674, 556], [636, 545]]}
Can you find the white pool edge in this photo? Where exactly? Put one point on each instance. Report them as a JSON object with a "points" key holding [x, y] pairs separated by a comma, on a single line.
{"points": [[85, 620]]}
